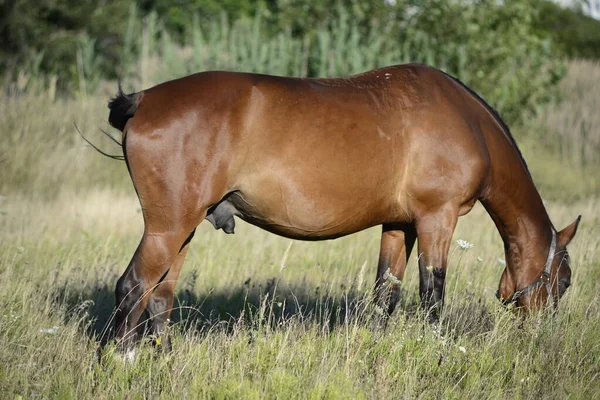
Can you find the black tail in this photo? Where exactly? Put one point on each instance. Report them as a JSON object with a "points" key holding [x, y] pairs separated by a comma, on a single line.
{"points": [[122, 107]]}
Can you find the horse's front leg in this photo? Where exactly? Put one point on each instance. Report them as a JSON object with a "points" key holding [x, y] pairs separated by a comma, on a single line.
{"points": [[396, 245], [434, 231]]}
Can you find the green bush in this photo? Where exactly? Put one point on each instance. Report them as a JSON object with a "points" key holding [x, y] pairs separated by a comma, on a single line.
{"points": [[576, 34], [495, 48], [492, 47], [56, 29]]}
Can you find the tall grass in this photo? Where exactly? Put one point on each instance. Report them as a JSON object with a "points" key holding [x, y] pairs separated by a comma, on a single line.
{"points": [[256, 318], [42, 154], [572, 125], [337, 48]]}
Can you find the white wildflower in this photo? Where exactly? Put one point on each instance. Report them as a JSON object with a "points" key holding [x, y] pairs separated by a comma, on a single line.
{"points": [[464, 245], [388, 276], [501, 261], [462, 349], [479, 259]]}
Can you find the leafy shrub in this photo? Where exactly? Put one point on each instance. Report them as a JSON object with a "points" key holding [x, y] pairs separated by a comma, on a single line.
{"points": [[492, 47], [495, 47]]}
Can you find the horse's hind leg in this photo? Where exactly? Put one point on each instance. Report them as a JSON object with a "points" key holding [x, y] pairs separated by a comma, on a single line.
{"points": [[396, 245], [160, 304], [154, 256], [175, 187], [434, 231]]}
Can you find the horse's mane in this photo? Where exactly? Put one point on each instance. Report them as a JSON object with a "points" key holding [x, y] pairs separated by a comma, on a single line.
{"points": [[496, 116]]}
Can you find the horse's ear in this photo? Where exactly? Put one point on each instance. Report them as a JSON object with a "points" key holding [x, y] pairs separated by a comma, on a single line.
{"points": [[566, 235]]}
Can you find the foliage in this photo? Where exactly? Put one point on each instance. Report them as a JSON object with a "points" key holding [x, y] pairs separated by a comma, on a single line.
{"points": [[492, 46], [178, 17], [576, 34], [55, 29]]}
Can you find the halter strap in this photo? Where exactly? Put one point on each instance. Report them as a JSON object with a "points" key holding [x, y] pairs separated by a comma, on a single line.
{"points": [[544, 278]]}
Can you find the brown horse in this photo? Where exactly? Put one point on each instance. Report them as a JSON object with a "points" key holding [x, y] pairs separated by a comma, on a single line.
{"points": [[406, 147]]}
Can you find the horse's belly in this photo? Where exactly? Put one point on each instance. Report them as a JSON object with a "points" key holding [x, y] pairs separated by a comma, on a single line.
{"points": [[317, 217]]}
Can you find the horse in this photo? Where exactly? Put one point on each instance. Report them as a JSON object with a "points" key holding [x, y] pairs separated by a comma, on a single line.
{"points": [[407, 147]]}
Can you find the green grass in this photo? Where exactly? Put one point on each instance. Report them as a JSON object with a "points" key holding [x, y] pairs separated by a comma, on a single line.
{"points": [[261, 316]]}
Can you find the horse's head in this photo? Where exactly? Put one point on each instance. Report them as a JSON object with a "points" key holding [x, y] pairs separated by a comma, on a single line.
{"points": [[554, 280]]}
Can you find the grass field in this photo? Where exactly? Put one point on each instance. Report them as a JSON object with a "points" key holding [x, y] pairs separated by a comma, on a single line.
{"points": [[259, 316]]}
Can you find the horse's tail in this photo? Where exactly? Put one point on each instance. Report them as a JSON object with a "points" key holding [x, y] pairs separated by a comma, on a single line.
{"points": [[122, 107]]}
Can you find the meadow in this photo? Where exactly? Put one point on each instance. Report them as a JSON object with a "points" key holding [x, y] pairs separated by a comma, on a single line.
{"points": [[259, 316]]}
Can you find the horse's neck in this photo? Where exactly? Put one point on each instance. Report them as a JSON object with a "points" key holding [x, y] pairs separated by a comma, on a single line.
{"points": [[517, 209]]}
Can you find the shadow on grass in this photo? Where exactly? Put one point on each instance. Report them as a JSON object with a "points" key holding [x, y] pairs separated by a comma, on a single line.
{"points": [[271, 303], [253, 304]]}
